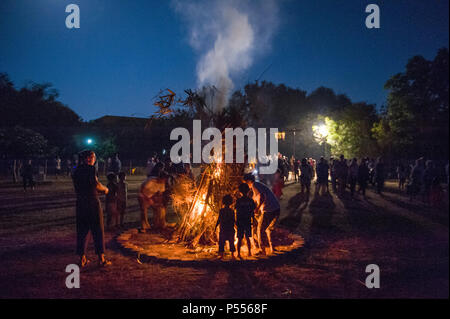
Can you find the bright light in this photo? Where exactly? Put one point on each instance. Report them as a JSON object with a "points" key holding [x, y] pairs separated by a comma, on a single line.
{"points": [[323, 130], [89, 141], [320, 133], [280, 135]]}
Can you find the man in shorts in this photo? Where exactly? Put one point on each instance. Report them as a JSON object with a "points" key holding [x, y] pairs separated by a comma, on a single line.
{"points": [[269, 206]]}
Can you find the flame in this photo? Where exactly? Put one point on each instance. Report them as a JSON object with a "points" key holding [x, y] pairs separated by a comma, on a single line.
{"points": [[199, 210], [217, 173], [199, 206], [202, 215]]}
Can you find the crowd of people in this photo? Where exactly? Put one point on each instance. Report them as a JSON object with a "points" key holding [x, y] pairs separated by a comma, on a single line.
{"points": [[254, 213], [57, 167], [423, 178]]}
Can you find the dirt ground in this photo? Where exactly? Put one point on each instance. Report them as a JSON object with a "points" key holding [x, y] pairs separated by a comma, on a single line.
{"points": [[407, 240]]}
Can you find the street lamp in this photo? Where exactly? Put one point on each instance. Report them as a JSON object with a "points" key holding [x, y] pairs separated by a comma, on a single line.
{"points": [[323, 130], [321, 133]]}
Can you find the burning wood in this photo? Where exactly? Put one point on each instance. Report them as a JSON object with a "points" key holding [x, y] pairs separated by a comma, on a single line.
{"points": [[217, 180], [198, 205]]}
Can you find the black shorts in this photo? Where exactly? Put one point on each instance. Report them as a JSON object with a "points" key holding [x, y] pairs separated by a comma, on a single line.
{"points": [[244, 231]]}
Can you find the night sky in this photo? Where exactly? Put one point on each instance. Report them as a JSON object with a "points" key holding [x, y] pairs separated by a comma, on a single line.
{"points": [[127, 51]]}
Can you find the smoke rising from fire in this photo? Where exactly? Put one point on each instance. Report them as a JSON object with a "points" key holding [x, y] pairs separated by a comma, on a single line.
{"points": [[228, 35]]}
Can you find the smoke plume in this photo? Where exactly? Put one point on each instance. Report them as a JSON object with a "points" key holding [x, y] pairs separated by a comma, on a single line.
{"points": [[227, 35]]}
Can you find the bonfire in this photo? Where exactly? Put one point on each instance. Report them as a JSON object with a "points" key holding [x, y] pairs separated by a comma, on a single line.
{"points": [[198, 202]]}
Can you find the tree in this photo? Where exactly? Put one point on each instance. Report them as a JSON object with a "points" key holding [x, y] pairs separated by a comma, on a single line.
{"points": [[350, 132], [106, 148], [415, 122], [20, 142], [35, 107]]}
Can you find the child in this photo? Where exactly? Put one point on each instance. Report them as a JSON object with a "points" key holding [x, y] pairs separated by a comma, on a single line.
{"points": [[111, 201], [278, 185], [436, 193], [122, 194], [226, 221], [245, 213]]}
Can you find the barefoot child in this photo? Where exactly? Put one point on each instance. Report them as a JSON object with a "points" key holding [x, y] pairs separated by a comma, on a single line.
{"points": [[245, 214], [122, 195], [111, 201], [226, 221]]}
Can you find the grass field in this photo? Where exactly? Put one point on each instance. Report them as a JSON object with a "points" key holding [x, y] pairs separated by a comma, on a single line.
{"points": [[407, 240]]}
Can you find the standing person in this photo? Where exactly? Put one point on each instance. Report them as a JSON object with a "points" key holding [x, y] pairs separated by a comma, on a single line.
{"points": [[108, 164], [57, 166], [291, 166], [416, 178], [116, 165], [151, 195], [353, 175], [363, 176], [226, 221], [75, 163], [278, 184], [27, 175], [341, 174], [89, 215], [333, 176], [379, 175], [245, 214], [429, 175], [371, 166], [122, 196], [269, 207], [111, 202], [305, 177], [322, 176], [401, 175], [285, 169], [68, 167], [296, 170], [150, 165], [436, 192]]}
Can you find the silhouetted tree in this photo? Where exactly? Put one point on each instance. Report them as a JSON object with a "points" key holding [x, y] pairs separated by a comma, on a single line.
{"points": [[20, 142], [35, 107], [415, 121]]}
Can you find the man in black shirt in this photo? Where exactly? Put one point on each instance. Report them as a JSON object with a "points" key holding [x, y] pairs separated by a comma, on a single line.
{"points": [[89, 214]]}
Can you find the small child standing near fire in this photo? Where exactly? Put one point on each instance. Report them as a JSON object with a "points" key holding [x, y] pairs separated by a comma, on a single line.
{"points": [[122, 196], [111, 201], [245, 214], [226, 221]]}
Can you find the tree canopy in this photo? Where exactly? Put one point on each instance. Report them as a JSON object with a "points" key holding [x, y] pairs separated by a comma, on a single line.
{"points": [[35, 107], [415, 120]]}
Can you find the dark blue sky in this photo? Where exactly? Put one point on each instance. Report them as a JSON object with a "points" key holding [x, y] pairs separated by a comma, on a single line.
{"points": [[126, 51]]}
